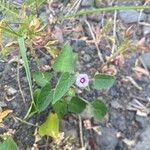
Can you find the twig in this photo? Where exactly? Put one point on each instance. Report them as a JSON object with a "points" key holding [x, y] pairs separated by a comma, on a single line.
{"points": [[144, 24], [80, 131], [19, 85], [139, 98], [93, 36], [134, 82], [141, 11], [46, 145], [25, 122], [114, 32]]}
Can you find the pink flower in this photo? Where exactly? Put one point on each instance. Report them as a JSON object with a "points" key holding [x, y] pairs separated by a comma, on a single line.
{"points": [[82, 80]]}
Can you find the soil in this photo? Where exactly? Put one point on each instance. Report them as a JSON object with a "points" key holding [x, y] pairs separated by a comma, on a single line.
{"points": [[124, 125]]}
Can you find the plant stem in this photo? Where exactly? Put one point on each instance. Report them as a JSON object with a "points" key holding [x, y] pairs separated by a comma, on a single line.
{"points": [[106, 9]]}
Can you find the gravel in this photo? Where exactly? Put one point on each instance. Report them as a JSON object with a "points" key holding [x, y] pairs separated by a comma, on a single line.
{"points": [[11, 91], [118, 120], [95, 17], [146, 30], [131, 16], [143, 122], [144, 140], [146, 58], [87, 3], [108, 140]]}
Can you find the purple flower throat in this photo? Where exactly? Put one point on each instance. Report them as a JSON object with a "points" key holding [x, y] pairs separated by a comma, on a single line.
{"points": [[82, 80]]}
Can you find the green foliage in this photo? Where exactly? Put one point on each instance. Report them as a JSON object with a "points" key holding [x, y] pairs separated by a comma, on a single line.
{"points": [[66, 60], [27, 69], [103, 81], [8, 144], [64, 83], [42, 78], [44, 98], [76, 105], [98, 109], [50, 127], [61, 108]]}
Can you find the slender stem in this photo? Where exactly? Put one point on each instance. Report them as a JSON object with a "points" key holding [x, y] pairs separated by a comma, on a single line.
{"points": [[106, 9]]}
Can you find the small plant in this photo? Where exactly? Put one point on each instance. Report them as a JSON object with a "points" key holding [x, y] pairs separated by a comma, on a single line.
{"points": [[8, 144], [62, 98]]}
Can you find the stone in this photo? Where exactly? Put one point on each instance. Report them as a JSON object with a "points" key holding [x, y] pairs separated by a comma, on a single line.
{"points": [[129, 2], [131, 16], [87, 3], [97, 17], [146, 58], [118, 120], [86, 57], [144, 140], [108, 140], [11, 91], [146, 30], [143, 122], [43, 61]]}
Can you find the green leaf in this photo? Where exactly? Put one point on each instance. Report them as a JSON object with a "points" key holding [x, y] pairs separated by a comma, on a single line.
{"points": [[45, 98], [65, 62], [103, 81], [76, 105], [25, 62], [33, 108], [36, 94], [42, 78], [60, 108], [65, 82], [50, 127], [8, 144], [98, 109], [27, 69]]}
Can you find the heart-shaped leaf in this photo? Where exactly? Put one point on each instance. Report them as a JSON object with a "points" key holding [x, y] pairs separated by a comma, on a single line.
{"points": [[76, 105], [103, 81], [50, 127], [98, 109]]}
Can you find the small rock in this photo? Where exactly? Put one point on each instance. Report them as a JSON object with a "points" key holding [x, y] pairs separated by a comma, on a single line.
{"points": [[131, 16], [129, 2], [95, 17], [146, 58], [14, 105], [71, 133], [118, 120], [43, 61], [86, 57], [108, 140], [144, 140], [146, 30], [87, 3], [143, 122], [116, 105], [2, 104], [11, 91]]}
